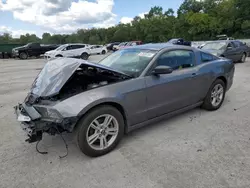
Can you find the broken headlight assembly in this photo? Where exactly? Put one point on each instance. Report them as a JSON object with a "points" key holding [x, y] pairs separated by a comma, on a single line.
{"points": [[49, 114]]}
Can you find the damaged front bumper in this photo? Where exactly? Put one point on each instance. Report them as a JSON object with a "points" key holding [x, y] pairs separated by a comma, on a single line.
{"points": [[37, 120]]}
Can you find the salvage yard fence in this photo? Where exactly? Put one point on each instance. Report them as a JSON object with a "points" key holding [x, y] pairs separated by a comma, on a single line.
{"points": [[6, 50]]}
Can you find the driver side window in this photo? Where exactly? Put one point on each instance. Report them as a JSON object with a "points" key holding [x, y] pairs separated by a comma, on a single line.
{"points": [[68, 48], [230, 45], [177, 59]]}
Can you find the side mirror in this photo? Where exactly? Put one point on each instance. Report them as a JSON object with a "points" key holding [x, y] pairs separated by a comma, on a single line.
{"points": [[162, 69]]}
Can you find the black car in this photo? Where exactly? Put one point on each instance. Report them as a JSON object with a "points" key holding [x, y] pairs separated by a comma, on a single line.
{"points": [[32, 49], [111, 45], [231, 49], [180, 41]]}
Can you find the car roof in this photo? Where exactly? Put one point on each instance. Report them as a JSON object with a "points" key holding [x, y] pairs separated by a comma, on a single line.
{"points": [[160, 46], [76, 44]]}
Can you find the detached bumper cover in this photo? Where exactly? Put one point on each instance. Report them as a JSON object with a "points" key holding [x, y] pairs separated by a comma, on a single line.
{"points": [[26, 116], [34, 124]]}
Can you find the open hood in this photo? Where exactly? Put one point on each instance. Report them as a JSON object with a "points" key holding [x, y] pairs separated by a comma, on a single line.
{"points": [[56, 73]]}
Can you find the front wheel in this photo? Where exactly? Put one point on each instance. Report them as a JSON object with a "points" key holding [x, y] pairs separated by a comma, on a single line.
{"points": [[243, 58], [100, 131], [23, 55], [215, 96], [103, 52]]}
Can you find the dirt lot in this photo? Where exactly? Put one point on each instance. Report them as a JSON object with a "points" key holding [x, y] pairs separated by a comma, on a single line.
{"points": [[193, 150]]}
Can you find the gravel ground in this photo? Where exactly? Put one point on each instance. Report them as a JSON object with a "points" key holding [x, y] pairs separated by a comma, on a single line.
{"points": [[194, 150]]}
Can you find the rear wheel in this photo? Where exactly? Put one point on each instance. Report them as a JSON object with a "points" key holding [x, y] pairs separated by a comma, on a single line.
{"points": [[85, 56], [23, 55], [243, 58], [100, 131], [103, 52], [215, 96]]}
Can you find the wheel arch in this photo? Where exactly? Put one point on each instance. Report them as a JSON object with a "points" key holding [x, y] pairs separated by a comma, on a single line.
{"points": [[223, 78], [85, 52], [116, 105]]}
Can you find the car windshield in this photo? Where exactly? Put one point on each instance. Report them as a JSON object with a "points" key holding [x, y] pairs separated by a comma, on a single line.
{"points": [[60, 47], [123, 43], [214, 46], [129, 61], [173, 40], [128, 44]]}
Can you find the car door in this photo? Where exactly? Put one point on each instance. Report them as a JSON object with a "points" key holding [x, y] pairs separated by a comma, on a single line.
{"points": [[170, 92], [93, 49], [231, 52], [70, 51], [239, 49], [34, 49]]}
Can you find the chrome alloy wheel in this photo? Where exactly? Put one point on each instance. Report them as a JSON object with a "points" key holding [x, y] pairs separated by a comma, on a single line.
{"points": [[217, 95], [102, 132], [243, 58]]}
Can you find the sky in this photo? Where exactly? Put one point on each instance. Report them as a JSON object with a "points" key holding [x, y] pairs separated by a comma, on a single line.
{"points": [[19, 17]]}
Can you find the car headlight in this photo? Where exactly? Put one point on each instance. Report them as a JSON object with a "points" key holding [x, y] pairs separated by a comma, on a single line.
{"points": [[49, 113]]}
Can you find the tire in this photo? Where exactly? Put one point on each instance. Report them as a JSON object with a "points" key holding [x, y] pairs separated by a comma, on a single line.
{"points": [[84, 131], [85, 56], [23, 55], [243, 58], [103, 52], [209, 102]]}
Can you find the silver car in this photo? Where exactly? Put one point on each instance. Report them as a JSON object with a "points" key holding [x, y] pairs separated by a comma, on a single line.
{"points": [[127, 90]]}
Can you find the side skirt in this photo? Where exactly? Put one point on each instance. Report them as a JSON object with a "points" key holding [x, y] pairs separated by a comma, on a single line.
{"points": [[162, 117]]}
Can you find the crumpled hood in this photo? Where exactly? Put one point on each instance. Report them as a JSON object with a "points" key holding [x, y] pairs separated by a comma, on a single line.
{"points": [[56, 73]]}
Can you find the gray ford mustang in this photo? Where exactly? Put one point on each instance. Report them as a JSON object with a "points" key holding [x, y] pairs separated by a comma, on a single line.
{"points": [[127, 90]]}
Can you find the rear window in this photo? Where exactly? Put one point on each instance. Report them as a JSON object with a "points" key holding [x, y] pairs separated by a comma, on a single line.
{"points": [[205, 57]]}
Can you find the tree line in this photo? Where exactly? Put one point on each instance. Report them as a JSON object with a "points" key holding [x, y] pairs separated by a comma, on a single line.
{"points": [[194, 20]]}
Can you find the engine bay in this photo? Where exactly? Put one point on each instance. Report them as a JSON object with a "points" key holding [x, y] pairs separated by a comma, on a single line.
{"points": [[87, 77]]}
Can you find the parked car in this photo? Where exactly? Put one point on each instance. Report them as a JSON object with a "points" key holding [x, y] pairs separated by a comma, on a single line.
{"points": [[98, 49], [200, 46], [126, 90], [224, 37], [111, 45], [132, 43], [32, 49], [231, 49], [117, 47], [180, 41], [70, 50]]}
